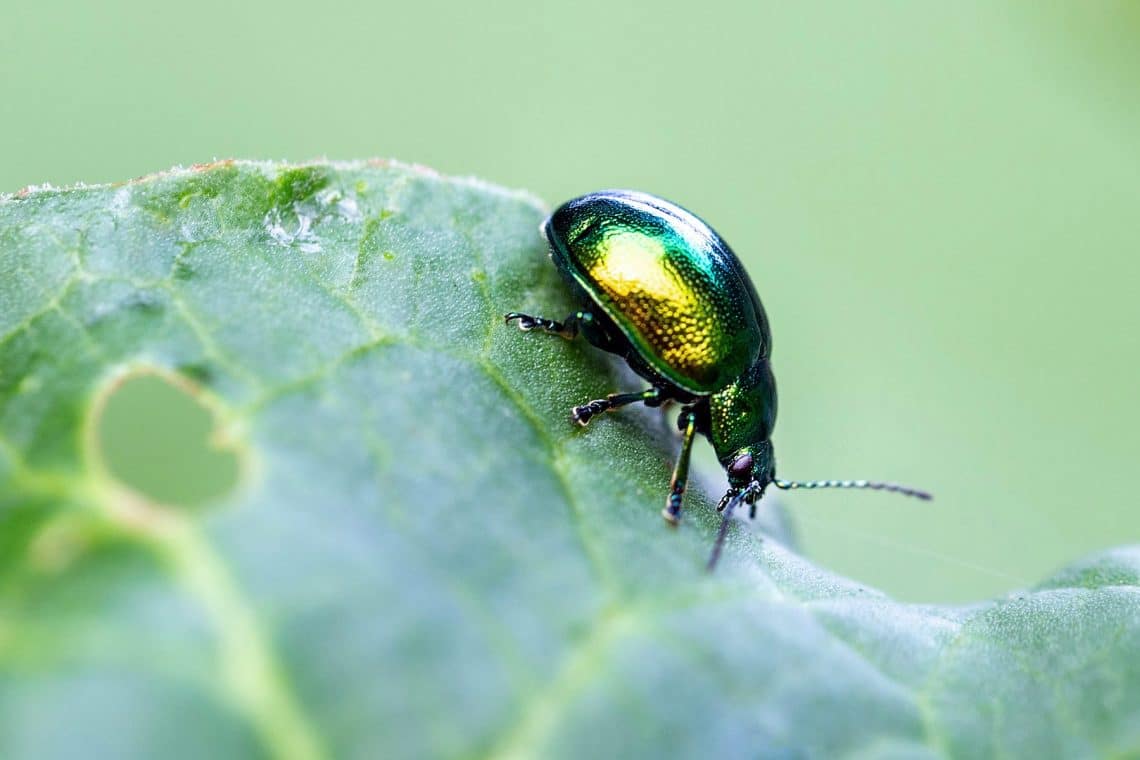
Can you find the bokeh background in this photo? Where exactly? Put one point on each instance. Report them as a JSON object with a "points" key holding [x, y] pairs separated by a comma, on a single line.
{"points": [[939, 202]]}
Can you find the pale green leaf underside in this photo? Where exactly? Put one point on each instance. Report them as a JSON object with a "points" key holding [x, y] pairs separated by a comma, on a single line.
{"points": [[424, 558]]}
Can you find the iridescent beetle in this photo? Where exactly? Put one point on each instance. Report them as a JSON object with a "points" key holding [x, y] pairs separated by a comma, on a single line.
{"points": [[660, 288]]}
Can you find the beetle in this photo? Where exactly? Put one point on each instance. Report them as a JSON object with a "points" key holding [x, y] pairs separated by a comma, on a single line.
{"points": [[660, 288]]}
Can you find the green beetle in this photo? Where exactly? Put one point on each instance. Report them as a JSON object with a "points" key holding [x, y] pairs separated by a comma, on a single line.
{"points": [[660, 288]]}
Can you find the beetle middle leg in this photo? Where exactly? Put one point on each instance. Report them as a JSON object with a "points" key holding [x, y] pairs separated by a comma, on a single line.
{"points": [[584, 413]]}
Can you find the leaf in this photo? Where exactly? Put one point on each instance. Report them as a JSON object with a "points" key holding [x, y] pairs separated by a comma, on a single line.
{"points": [[423, 558]]}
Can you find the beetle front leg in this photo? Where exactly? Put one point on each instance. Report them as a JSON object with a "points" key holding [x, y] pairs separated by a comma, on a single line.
{"points": [[688, 424], [583, 414]]}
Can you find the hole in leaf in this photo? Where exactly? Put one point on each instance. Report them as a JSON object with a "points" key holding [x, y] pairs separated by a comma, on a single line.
{"points": [[154, 437]]}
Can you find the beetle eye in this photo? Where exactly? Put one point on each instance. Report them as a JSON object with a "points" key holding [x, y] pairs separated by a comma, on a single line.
{"points": [[741, 466]]}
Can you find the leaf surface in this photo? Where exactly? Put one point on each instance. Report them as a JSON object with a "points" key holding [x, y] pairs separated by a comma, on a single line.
{"points": [[423, 557]]}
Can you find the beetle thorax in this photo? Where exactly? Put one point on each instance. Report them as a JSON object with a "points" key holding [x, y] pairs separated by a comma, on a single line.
{"points": [[742, 415]]}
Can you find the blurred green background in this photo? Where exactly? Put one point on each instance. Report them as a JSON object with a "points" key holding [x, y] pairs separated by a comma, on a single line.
{"points": [[938, 203]]}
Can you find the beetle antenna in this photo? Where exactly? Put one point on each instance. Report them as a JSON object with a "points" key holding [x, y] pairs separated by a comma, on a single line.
{"points": [[791, 485], [728, 509]]}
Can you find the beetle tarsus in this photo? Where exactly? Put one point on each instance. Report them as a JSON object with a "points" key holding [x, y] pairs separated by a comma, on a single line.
{"points": [[567, 329], [583, 414]]}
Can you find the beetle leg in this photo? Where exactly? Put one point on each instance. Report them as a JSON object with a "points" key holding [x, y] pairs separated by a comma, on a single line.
{"points": [[567, 328], [583, 414], [688, 425]]}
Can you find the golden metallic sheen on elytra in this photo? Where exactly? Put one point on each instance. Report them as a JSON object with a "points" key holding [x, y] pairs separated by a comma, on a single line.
{"points": [[671, 285]]}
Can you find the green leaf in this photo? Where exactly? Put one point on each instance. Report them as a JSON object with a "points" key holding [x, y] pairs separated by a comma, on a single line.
{"points": [[422, 557]]}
